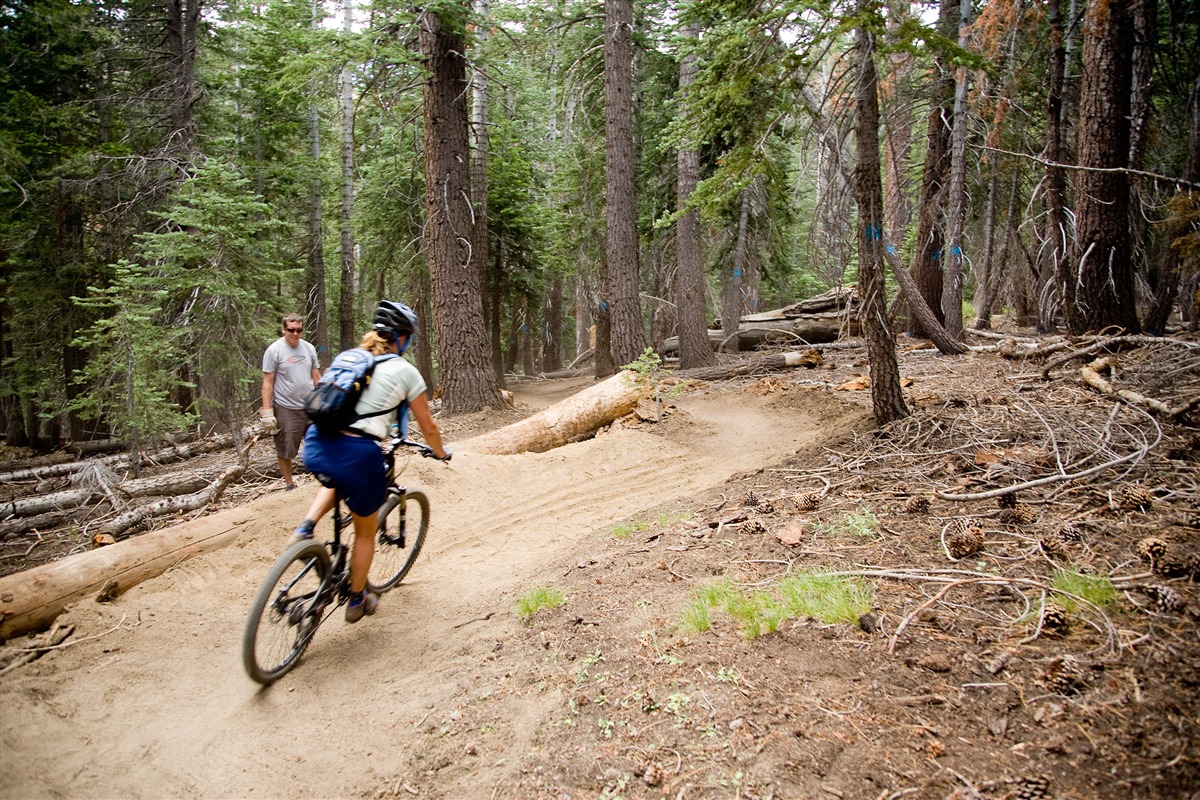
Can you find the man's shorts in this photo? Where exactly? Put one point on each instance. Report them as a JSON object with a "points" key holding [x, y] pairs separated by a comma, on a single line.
{"points": [[292, 423], [354, 465]]}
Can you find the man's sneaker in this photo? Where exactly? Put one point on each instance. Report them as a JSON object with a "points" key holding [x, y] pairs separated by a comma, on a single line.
{"points": [[362, 604], [303, 533]]}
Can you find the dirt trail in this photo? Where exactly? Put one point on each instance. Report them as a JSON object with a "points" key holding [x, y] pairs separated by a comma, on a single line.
{"points": [[157, 705]]}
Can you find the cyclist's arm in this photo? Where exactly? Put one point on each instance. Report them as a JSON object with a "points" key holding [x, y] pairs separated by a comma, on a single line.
{"points": [[419, 406]]}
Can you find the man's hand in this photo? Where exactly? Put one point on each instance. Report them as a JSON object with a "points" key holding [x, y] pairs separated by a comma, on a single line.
{"points": [[267, 416]]}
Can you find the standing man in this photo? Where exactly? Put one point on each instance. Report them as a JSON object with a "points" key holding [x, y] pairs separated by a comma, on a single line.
{"points": [[289, 373]]}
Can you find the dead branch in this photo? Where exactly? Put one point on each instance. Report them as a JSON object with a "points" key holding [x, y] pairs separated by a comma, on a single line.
{"points": [[1092, 376]]}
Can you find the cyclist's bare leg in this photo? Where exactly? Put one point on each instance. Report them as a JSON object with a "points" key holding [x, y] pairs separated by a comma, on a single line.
{"points": [[319, 508], [364, 549], [320, 504]]}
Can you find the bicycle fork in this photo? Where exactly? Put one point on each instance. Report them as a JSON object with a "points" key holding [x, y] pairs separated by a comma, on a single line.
{"points": [[394, 537]]}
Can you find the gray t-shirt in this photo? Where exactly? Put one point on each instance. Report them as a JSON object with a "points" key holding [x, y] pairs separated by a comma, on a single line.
{"points": [[293, 368], [393, 382]]}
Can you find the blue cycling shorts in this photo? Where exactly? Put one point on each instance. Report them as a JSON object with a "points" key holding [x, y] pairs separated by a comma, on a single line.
{"points": [[354, 465]]}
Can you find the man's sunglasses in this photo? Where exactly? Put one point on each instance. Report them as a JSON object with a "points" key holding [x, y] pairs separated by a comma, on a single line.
{"points": [[294, 330]]}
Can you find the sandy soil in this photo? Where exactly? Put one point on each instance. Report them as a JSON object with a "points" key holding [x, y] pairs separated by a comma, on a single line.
{"points": [[156, 704]]}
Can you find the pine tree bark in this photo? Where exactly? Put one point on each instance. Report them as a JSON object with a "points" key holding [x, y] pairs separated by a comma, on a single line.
{"points": [[952, 289], [467, 380], [623, 308], [1103, 290], [887, 400]]}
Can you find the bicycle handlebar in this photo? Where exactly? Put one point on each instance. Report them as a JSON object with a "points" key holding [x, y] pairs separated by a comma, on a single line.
{"points": [[424, 449]]}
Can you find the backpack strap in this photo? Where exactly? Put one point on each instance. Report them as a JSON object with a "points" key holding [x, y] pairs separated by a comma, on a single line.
{"points": [[369, 373]]}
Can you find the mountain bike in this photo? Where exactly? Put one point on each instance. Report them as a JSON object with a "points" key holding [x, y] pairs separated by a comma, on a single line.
{"points": [[311, 580]]}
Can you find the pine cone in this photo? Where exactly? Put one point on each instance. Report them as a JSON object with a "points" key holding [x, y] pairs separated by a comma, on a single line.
{"points": [[1054, 547], [1063, 675], [1070, 532], [809, 501], [1056, 622], [753, 526], [1007, 500], [1165, 599], [1177, 564], [751, 499], [965, 541], [917, 504], [766, 507], [1018, 515], [1152, 549], [1134, 497], [1031, 788]]}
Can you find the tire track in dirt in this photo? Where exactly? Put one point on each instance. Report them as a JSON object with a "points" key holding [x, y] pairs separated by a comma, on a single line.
{"points": [[161, 707]]}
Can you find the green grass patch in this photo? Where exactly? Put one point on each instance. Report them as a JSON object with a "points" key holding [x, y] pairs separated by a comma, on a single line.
{"points": [[1096, 589], [538, 598], [623, 530], [862, 524], [827, 598]]}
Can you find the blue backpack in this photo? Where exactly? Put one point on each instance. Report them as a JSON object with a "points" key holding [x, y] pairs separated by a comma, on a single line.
{"points": [[332, 401]]}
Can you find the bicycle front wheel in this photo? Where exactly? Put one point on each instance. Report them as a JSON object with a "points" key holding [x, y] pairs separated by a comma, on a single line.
{"points": [[403, 520], [285, 612]]}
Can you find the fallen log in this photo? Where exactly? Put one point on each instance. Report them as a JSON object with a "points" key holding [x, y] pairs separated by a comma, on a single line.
{"points": [[756, 366], [838, 298], [1092, 375], [805, 329], [32, 599], [558, 424]]}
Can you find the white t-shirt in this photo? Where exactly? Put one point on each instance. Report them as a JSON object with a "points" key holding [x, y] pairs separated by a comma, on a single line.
{"points": [[293, 368], [394, 381]]}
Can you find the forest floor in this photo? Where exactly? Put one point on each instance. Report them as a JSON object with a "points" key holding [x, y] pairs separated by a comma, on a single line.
{"points": [[677, 668]]}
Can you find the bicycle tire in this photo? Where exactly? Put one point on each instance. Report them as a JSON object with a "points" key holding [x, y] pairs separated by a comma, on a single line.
{"points": [[396, 551], [282, 621]]}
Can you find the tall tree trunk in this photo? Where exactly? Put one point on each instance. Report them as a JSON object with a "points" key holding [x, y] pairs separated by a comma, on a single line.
{"points": [[983, 286], [347, 333], [887, 400], [1103, 290], [1144, 14], [494, 306], [690, 294], [1053, 266], [952, 290], [479, 159], [183, 17], [467, 380], [316, 319], [928, 258], [731, 289], [898, 124], [627, 337], [552, 355], [315, 307]]}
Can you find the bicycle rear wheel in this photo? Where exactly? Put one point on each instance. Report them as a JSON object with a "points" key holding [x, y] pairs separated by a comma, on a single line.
{"points": [[283, 616], [403, 520]]}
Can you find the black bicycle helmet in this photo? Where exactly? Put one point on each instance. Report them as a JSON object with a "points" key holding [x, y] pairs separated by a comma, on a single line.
{"points": [[395, 318]]}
